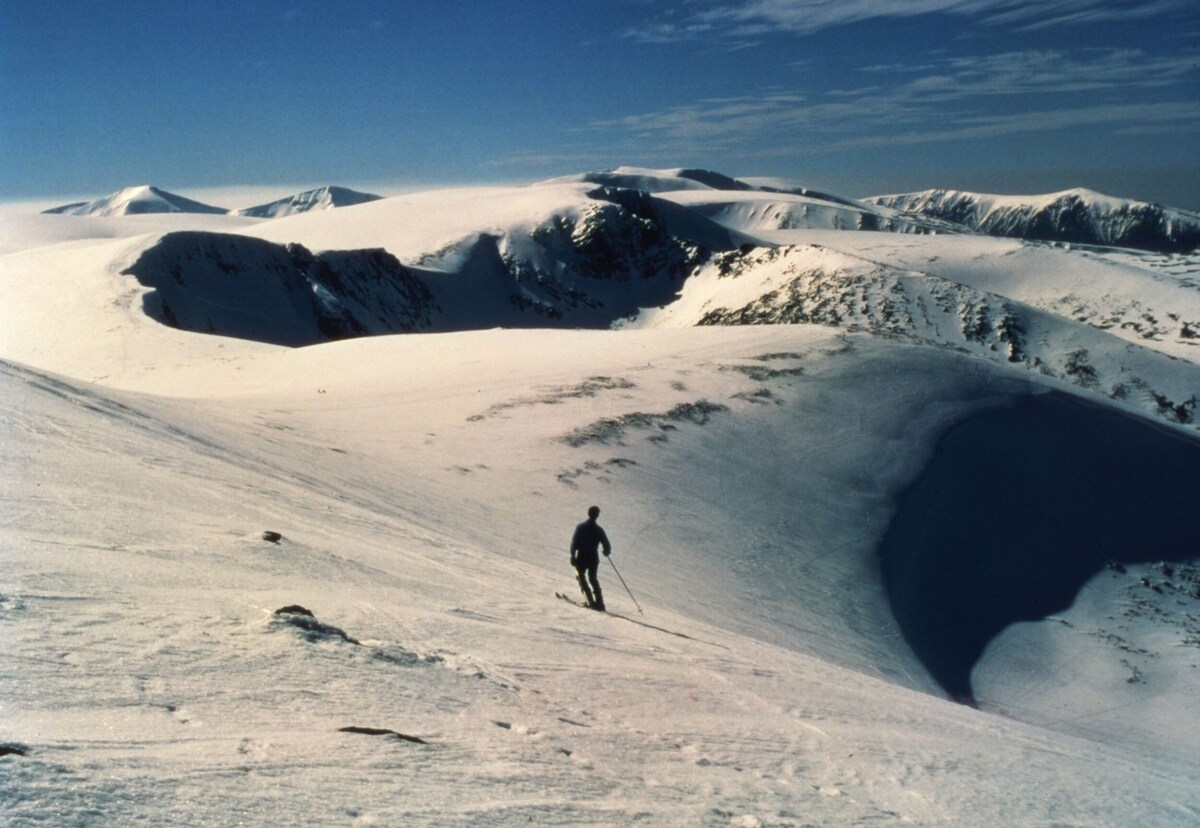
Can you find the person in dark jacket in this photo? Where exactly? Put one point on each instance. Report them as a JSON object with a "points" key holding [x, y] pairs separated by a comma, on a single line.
{"points": [[589, 537]]}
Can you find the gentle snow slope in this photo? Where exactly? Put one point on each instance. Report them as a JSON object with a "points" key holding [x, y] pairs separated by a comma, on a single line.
{"points": [[424, 504]]}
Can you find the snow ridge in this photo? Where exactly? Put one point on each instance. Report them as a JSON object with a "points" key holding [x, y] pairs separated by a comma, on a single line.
{"points": [[1074, 216], [748, 206]]}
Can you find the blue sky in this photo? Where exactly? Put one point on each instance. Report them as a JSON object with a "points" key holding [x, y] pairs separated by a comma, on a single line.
{"points": [[857, 96]]}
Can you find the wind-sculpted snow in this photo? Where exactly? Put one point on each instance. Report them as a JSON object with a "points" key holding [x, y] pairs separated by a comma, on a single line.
{"points": [[768, 684], [1076, 216], [250, 289]]}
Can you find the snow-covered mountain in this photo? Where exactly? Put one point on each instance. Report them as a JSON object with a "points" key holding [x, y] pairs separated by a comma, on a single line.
{"points": [[811, 283], [144, 199], [1075, 216], [847, 476], [569, 253], [136, 201], [323, 198], [757, 205]]}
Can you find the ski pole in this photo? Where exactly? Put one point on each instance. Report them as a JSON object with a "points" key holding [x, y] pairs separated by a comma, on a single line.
{"points": [[635, 603]]}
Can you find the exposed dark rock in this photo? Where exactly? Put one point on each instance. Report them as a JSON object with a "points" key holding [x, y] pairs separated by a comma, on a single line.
{"points": [[382, 731], [613, 428], [281, 294], [313, 630]]}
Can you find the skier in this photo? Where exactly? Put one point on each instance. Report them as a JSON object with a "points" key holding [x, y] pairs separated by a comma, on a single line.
{"points": [[585, 544]]}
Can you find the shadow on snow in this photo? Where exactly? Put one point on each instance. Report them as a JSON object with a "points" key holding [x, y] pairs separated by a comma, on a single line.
{"points": [[1018, 509]]}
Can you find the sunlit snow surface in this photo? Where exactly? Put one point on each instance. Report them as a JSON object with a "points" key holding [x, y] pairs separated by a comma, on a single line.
{"points": [[425, 487]]}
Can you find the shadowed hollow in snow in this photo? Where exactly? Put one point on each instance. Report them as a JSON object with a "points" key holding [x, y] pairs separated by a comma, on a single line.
{"points": [[1019, 507]]}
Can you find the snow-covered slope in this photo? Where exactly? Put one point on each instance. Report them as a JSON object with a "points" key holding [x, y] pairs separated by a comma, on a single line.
{"points": [[642, 178], [777, 483], [323, 198], [1149, 299], [749, 207], [1075, 216], [135, 201], [559, 254], [756, 212], [423, 487], [25, 231], [805, 284]]}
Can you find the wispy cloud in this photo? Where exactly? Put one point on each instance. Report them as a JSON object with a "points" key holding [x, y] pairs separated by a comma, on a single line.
{"points": [[754, 18], [1037, 72], [1164, 117], [940, 100]]}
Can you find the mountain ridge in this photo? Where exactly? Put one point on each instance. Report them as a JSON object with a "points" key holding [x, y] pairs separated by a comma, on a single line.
{"points": [[1075, 216], [144, 199], [1078, 216]]}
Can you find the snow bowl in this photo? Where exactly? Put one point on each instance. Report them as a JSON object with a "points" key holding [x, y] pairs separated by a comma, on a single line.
{"points": [[1021, 506]]}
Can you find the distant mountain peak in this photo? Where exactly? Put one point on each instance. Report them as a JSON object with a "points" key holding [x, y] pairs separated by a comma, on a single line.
{"points": [[136, 200], [1078, 215], [322, 198]]}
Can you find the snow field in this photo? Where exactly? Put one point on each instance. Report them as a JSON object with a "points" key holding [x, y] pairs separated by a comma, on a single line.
{"points": [[150, 679], [426, 486]]}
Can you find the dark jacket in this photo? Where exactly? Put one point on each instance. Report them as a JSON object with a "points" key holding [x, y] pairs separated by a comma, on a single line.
{"points": [[586, 542]]}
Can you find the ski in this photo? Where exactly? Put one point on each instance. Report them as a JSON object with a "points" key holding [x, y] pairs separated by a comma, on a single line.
{"points": [[640, 623], [571, 600]]}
